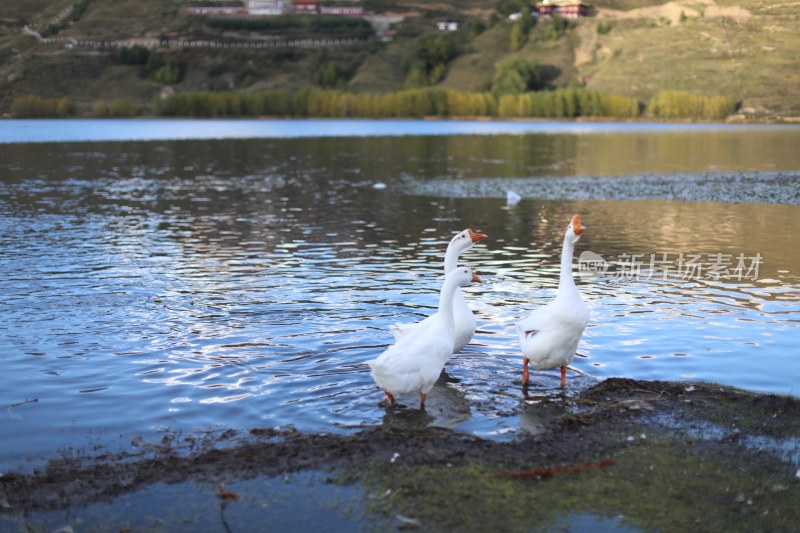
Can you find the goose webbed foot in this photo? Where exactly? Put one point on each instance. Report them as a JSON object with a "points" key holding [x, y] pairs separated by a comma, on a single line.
{"points": [[389, 399]]}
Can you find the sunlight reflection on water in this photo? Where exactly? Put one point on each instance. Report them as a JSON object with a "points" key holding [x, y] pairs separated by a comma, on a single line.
{"points": [[196, 285]]}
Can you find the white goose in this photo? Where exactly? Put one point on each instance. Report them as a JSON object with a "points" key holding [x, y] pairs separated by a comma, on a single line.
{"points": [[549, 336], [464, 319], [413, 363]]}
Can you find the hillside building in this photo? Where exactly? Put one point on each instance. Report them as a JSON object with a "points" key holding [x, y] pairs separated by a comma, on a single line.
{"points": [[568, 9], [279, 7], [305, 7], [267, 7]]}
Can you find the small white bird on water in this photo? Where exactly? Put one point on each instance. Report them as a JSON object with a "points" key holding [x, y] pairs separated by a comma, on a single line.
{"points": [[549, 336], [413, 364], [512, 198]]}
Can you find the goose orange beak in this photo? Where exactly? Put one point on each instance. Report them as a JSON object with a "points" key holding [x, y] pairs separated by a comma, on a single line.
{"points": [[475, 278], [577, 227], [475, 236]]}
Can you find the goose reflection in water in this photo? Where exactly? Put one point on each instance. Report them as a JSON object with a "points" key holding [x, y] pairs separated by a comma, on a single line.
{"points": [[445, 407]]}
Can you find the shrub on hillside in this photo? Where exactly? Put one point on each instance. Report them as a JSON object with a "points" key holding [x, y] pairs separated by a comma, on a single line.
{"points": [[474, 27], [516, 38], [507, 7], [551, 29], [427, 62], [330, 75], [514, 76], [265, 24], [333, 26], [352, 27], [132, 55], [603, 28], [168, 73]]}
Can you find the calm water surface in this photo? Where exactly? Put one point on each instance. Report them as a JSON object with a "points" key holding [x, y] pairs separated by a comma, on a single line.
{"points": [[203, 284]]}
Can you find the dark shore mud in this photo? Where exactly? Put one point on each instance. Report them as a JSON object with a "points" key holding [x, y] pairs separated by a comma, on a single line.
{"points": [[623, 455]]}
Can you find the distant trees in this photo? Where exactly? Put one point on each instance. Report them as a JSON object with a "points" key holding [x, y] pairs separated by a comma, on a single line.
{"points": [[409, 103], [516, 38], [132, 55], [426, 64], [334, 70], [263, 24], [551, 29], [155, 68], [167, 73], [514, 76], [120, 108], [474, 27], [508, 7], [421, 102], [520, 29], [679, 104], [567, 103], [320, 25], [481, 104], [352, 27], [302, 103], [37, 107], [330, 75]]}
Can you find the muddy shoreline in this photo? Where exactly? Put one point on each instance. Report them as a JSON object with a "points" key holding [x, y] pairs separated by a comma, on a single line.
{"points": [[724, 456]]}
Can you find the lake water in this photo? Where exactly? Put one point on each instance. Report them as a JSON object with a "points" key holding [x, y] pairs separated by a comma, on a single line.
{"points": [[242, 276]]}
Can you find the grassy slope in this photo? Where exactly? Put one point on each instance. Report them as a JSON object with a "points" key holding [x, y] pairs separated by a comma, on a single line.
{"points": [[33, 11], [381, 72], [470, 72], [474, 70], [146, 18], [15, 47], [754, 58]]}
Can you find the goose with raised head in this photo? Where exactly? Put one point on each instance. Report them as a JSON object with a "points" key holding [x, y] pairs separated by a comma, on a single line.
{"points": [[413, 363], [465, 321], [549, 335]]}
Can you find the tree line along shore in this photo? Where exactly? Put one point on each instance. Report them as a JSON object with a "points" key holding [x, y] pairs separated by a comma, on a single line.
{"points": [[410, 103]]}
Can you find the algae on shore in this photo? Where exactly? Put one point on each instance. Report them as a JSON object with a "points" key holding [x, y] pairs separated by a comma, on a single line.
{"points": [[622, 455], [654, 483]]}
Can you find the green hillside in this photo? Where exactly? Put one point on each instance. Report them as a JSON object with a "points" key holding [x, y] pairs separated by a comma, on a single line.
{"points": [[747, 50]]}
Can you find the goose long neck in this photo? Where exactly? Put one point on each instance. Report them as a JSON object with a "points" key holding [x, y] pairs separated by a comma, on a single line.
{"points": [[446, 301], [450, 259], [566, 283]]}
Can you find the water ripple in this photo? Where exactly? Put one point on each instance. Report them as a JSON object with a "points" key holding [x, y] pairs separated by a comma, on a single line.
{"points": [[157, 287]]}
